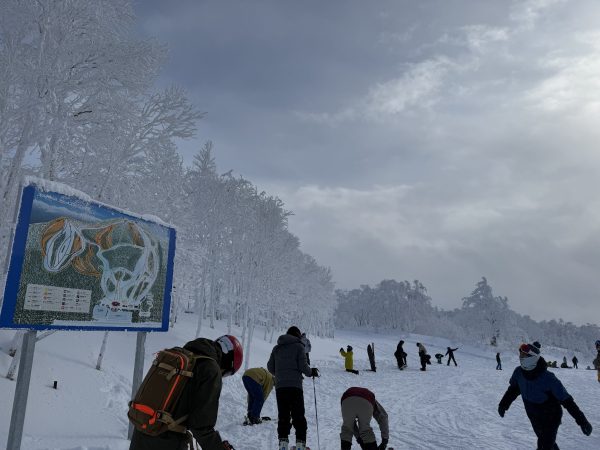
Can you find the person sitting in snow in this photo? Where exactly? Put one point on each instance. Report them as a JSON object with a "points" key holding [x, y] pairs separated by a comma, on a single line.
{"points": [[543, 396], [258, 383], [348, 359], [358, 407]]}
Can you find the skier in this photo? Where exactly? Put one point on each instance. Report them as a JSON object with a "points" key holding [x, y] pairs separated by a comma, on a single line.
{"points": [[596, 361], [400, 355], [575, 361], [358, 407], [439, 357], [258, 383], [543, 394], [348, 359], [423, 356], [498, 362], [307, 347], [200, 395], [287, 363], [450, 354]]}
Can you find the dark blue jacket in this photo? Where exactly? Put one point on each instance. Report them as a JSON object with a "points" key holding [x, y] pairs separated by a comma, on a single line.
{"points": [[542, 393]]}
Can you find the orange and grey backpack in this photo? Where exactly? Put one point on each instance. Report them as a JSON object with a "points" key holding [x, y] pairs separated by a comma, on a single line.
{"points": [[151, 410]]}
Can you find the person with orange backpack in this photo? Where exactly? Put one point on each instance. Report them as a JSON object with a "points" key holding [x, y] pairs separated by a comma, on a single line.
{"points": [[178, 400]]}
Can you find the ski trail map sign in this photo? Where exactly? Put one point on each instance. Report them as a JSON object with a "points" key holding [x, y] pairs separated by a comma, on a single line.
{"points": [[79, 264]]}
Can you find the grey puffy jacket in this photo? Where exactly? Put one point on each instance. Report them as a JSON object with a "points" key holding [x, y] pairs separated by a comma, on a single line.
{"points": [[288, 362]]}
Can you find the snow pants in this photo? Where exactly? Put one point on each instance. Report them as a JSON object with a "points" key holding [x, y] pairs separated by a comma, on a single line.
{"points": [[290, 404], [361, 410], [255, 396], [545, 428], [451, 358]]}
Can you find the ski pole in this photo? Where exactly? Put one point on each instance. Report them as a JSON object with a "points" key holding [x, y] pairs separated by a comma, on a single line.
{"points": [[316, 414]]}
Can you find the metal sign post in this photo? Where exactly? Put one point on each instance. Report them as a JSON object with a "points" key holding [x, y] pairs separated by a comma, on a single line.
{"points": [[15, 432], [138, 370]]}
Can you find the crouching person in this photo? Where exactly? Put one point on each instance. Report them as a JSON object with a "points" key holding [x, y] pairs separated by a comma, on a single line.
{"points": [[179, 397], [259, 384], [358, 407], [543, 396]]}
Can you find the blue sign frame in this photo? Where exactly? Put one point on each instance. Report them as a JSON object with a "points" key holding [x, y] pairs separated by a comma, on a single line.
{"points": [[76, 211]]}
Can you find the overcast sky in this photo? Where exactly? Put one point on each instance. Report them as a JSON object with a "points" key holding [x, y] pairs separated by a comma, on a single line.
{"points": [[433, 140]]}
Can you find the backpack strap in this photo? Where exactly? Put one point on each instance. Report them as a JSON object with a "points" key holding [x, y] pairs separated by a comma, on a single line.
{"points": [[172, 424]]}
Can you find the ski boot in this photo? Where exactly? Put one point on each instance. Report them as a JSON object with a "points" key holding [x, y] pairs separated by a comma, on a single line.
{"points": [[283, 444], [300, 445]]}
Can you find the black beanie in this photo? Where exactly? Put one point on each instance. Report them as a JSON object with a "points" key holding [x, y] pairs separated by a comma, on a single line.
{"points": [[294, 331]]}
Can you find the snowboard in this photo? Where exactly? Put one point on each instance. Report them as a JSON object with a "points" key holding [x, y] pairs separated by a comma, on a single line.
{"points": [[371, 353]]}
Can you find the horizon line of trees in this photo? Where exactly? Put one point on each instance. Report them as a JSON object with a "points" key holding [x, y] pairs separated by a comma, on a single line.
{"points": [[483, 317]]}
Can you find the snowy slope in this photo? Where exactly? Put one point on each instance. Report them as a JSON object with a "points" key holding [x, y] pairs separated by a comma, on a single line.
{"points": [[443, 408]]}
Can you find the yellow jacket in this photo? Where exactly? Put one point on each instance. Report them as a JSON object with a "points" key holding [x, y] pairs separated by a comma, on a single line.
{"points": [[349, 359], [262, 377]]}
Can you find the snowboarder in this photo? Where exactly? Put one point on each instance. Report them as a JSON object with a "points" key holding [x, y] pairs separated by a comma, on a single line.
{"points": [[307, 347], [450, 354], [596, 361], [287, 363], [371, 355], [258, 383], [423, 356], [200, 395], [575, 361], [358, 407], [400, 355], [543, 394], [439, 357], [498, 361], [348, 359]]}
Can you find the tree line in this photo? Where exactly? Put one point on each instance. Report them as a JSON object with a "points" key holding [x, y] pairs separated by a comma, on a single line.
{"points": [[483, 317]]}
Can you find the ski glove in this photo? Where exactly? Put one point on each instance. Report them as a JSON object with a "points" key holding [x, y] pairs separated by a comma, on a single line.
{"points": [[501, 410], [227, 446], [586, 428], [314, 372], [383, 445]]}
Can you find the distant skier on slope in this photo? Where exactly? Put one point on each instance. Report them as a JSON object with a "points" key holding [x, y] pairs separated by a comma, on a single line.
{"points": [[400, 355], [348, 359], [288, 363], [575, 361], [597, 359], [543, 394], [423, 356], [358, 407], [258, 383], [498, 361], [450, 355], [307, 347]]}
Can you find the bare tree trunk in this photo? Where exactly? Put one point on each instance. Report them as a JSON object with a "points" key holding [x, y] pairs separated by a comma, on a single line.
{"points": [[200, 316], [102, 351], [249, 344]]}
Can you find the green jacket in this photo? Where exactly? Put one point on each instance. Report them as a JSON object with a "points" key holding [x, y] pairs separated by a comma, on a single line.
{"points": [[262, 377], [349, 359]]}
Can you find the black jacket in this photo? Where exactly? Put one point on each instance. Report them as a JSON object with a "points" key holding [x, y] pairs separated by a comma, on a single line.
{"points": [[200, 399]]}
